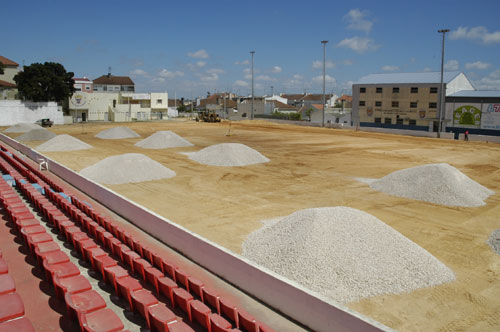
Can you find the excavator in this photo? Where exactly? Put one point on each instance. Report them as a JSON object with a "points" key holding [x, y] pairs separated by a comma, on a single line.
{"points": [[208, 116]]}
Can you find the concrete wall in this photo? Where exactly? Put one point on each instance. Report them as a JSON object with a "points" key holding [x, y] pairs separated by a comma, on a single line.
{"points": [[15, 111], [155, 97], [482, 138], [306, 307]]}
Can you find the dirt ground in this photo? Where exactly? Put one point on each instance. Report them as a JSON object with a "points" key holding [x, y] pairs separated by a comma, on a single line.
{"points": [[316, 167]]}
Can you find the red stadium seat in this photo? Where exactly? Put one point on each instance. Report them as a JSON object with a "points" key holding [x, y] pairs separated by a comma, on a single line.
{"points": [[228, 310], [71, 285], [22, 324], [167, 286], [11, 306], [247, 322], [84, 302], [218, 324], [159, 317], [152, 276], [182, 299], [7, 285], [126, 286], [113, 273], [200, 313], [104, 320], [141, 300]]}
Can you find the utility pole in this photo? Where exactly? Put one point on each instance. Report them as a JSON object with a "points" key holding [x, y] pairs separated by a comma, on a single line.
{"points": [[324, 80], [442, 94], [251, 113]]}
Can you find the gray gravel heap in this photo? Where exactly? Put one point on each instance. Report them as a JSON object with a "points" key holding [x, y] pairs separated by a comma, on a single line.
{"points": [[344, 254], [40, 134], [436, 183], [63, 143], [494, 241], [228, 154], [22, 127], [117, 133], [163, 140], [127, 168]]}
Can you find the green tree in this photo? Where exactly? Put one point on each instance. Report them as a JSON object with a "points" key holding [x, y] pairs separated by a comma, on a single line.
{"points": [[45, 82], [1, 68], [308, 113], [181, 108]]}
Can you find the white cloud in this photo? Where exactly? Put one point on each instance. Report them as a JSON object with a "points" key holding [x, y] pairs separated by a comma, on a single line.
{"points": [[158, 80], [427, 69], [357, 20], [216, 71], [390, 68], [478, 33], [451, 65], [139, 72], [477, 65], [210, 78], [328, 79], [319, 64], [264, 78], [359, 44], [241, 83], [347, 62], [201, 54], [277, 69], [170, 74], [244, 62], [298, 77], [490, 82], [201, 64]]}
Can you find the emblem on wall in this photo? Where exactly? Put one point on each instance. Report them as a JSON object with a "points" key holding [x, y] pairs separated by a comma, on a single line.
{"points": [[467, 115], [369, 111], [421, 114], [78, 99]]}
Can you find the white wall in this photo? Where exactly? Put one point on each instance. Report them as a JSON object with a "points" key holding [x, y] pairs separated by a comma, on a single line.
{"points": [[155, 96], [306, 307], [15, 111], [459, 83]]}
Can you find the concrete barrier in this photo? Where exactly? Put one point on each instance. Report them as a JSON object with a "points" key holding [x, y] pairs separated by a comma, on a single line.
{"points": [[306, 307], [483, 138]]}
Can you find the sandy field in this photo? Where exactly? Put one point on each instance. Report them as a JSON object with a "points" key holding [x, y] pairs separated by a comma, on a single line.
{"points": [[316, 167]]}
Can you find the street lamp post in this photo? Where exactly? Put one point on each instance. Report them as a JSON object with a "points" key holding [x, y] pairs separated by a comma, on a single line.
{"points": [[442, 93], [251, 113], [324, 80]]}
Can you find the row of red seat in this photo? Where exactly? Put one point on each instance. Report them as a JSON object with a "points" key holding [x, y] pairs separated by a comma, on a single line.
{"points": [[64, 275], [11, 305], [201, 303]]}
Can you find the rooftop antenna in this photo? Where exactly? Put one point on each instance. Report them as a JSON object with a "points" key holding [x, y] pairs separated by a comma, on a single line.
{"points": [[109, 71]]}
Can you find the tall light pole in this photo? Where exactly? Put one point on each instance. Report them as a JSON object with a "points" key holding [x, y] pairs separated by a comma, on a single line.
{"points": [[251, 113], [442, 93], [324, 80]]}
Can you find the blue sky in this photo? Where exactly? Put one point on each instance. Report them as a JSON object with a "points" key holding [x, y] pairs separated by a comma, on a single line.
{"points": [[195, 47]]}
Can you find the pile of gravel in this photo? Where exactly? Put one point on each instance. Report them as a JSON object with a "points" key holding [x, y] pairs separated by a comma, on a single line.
{"points": [[22, 127], [436, 183], [40, 134], [228, 154], [127, 168], [117, 133], [344, 254], [163, 140], [494, 241], [63, 143]]}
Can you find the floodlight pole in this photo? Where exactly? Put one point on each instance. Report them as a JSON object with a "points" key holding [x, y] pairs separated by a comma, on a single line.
{"points": [[251, 113], [442, 94], [324, 80]]}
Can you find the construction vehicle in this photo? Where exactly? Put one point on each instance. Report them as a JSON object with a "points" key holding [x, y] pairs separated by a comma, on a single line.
{"points": [[45, 122], [208, 116]]}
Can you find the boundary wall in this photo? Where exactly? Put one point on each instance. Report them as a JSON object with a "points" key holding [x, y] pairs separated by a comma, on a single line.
{"points": [[306, 307], [16, 111]]}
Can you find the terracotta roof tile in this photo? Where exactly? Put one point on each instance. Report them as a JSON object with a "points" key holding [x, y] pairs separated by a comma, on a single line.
{"points": [[7, 62], [7, 84], [114, 80]]}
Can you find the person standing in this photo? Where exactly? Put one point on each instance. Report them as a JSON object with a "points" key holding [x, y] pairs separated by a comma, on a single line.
{"points": [[466, 135]]}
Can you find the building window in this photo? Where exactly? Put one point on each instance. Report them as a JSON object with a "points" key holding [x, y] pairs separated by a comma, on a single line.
{"points": [[378, 90], [412, 122], [361, 103], [378, 104], [413, 104], [378, 120], [395, 90], [432, 105], [399, 121], [395, 104], [362, 90], [78, 89], [87, 87], [159, 101], [387, 120], [434, 90], [414, 90]]}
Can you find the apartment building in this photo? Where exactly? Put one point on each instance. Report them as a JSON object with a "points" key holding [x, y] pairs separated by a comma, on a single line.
{"points": [[404, 100], [110, 83]]}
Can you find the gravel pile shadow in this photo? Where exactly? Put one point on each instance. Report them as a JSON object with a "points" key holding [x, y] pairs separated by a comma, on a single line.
{"points": [[163, 140], [494, 241], [117, 133], [63, 143], [127, 168], [344, 254]]}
